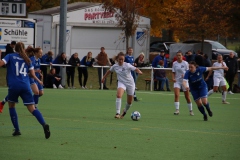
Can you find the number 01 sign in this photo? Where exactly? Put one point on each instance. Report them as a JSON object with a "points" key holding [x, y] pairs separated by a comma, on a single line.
{"points": [[16, 8]]}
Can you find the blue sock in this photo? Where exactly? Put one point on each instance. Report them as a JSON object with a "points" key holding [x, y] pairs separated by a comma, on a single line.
{"points": [[207, 106], [39, 116], [14, 118], [201, 109], [36, 97]]}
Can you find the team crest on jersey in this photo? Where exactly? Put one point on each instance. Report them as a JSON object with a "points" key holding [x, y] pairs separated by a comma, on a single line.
{"points": [[198, 73], [182, 66], [123, 69]]}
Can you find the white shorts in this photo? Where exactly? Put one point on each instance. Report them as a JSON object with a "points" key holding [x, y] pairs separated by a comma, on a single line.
{"points": [[180, 85], [129, 89], [219, 81]]}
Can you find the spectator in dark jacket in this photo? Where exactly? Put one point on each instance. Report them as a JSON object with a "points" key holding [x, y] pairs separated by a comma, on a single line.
{"points": [[61, 59], [75, 62], [208, 63], [199, 59], [46, 59], [10, 48], [87, 61], [158, 58], [232, 65], [160, 75], [139, 62], [53, 80], [189, 56]]}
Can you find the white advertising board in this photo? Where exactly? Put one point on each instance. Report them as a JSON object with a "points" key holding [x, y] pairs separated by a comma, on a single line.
{"points": [[9, 34], [10, 23]]}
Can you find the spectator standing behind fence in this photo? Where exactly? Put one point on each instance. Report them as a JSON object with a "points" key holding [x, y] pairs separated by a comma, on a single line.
{"points": [[10, 48], [189, 56], [87, 61], [61, 59], [46, 59], [139, 62], [158, 58], [75, 62], [160, 75], [232, 65], [199, 59], [54, 80], [102, 60], [208, 63]]}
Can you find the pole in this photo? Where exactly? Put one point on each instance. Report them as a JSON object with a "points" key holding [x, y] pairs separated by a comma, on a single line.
{"points": [[62, 35]]}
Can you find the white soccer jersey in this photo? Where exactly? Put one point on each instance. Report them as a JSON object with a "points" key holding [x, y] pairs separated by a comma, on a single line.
{"points": [[219, 72], [124, 73], [179, 69]]}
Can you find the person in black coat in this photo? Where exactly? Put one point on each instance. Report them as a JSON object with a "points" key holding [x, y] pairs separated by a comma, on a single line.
{"points": [[232, 65], [199, 59], [208, 63], [10, 48], [74, 61]]}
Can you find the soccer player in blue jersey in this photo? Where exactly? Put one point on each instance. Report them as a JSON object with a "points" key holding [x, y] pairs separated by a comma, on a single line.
{"points": [[129, 59], [18, 66], [198, 87], [35, 54]]}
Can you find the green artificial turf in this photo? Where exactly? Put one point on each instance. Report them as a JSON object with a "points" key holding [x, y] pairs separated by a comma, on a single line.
{"points": [[82, 126]]}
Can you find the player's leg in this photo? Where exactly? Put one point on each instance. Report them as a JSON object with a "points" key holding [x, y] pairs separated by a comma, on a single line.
{"points": [[176, 87], [206, 105], [29, 102], [222, 84], [2, 103], [201, 108], [35, 91], [187, 97], [120, 92], [85, 74], [216, 82], [130, 91], [12, 99]]}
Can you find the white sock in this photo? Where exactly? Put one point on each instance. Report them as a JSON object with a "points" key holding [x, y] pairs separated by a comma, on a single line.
{"points": [[118, 105], [210, 92], [224, 96], [177, 104], [127, 107], [190, 106]]}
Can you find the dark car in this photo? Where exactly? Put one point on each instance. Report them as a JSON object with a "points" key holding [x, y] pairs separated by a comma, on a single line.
{"points": [[157, 46], [217, 48]]}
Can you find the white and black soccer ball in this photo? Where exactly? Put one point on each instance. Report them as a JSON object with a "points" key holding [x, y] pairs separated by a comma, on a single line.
{"points": [[135, 115]]}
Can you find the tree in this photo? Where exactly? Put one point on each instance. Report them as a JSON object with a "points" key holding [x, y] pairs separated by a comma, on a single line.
{"points": [[126, 13]]}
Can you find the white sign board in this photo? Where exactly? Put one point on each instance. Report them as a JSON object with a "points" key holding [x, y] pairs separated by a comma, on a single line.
{"points": [[10, 23], [25, 35]]}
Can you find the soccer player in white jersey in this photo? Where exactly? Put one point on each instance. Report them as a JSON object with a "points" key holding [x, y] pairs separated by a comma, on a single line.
{"points": [[125, 82], [178, 70], [218, 78]]}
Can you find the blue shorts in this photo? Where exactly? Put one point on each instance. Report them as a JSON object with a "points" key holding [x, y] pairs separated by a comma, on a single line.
{"points": [[25, 94], [40, 87], [199, 93], [31, 80]]}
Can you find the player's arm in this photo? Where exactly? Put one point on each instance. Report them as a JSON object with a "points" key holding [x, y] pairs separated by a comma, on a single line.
{"points": [[2, 63], [173, 77], [32, 74], [105, 76], [210, 69], [138, 71]]}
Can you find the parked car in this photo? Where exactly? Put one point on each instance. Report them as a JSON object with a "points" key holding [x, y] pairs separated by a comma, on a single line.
{"points": [[217, 48], [157, 46]]}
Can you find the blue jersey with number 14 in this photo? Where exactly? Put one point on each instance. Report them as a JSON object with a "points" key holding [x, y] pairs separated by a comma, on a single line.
{"points": [[17, 71]]}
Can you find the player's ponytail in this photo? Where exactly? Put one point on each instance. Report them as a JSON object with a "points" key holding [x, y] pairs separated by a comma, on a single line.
{"points": [[20, 48]]}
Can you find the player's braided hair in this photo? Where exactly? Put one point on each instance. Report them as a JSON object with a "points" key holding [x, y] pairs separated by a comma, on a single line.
{"points": [[20, 48]]}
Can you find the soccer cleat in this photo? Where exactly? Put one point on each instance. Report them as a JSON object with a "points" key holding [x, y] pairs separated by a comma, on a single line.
{"points": [[16, 133], [135, 99], [225, 102], [191, 113], [117, 116], [205, 118], [123, 114], [1, 107], [209, 112], [83, 87], [176, 113], [168, 90], [46, 131]]}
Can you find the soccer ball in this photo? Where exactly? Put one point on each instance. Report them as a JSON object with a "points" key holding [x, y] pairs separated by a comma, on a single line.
{"points": [[135, 115]]}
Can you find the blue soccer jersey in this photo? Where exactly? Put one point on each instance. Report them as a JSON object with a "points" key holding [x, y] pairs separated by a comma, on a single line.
{"points": [[195, 79], [37, 65], [17, 71], [129, 59]]}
